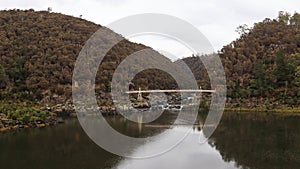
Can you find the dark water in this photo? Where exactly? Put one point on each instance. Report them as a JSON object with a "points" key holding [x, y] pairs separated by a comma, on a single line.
{"points": [[240, 141]]}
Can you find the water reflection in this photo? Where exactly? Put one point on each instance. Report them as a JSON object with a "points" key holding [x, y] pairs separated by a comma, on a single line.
{"points": [[188, 154], [240, 141], [60, 147], [259, 140]]}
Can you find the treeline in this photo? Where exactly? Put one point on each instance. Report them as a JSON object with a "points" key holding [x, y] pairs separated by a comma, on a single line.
{"points": [[38, 50], [262, 66]]}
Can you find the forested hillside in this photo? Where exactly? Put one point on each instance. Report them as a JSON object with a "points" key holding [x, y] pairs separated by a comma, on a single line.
{"points": [[262, 66], [38, 50]]}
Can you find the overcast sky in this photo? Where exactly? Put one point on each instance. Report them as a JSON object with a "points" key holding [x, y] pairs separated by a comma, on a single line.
{"points": [[216, 19]]}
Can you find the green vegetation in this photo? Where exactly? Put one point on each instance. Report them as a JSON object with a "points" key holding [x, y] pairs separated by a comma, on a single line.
{"points": [[18, 116], [262, 62], [23, 114], [262, 67]]}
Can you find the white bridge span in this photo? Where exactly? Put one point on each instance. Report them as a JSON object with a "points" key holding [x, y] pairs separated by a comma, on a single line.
{"points": [[172, 91]]}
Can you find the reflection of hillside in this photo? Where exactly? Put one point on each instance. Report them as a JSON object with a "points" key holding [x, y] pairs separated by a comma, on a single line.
{"points": [[259, 141], [62, 146]]}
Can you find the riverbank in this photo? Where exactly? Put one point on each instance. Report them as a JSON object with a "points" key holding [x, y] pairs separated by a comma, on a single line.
{"points": [[15, 116], [21, 126], [20, 115], [282, 111]]}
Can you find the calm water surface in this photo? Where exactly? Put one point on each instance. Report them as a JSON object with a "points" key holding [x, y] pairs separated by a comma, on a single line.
{"points": [[253, 140]]}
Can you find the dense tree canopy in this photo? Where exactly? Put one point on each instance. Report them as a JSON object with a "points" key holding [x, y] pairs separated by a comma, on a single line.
{"points": [[263, 63], [38, 50]]}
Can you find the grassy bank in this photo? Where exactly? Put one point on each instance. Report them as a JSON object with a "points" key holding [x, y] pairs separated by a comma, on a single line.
{"points": [[283, 111], [14, 115]]}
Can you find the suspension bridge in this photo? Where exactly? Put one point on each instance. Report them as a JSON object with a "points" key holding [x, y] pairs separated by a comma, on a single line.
{"points": [[172, 91]]}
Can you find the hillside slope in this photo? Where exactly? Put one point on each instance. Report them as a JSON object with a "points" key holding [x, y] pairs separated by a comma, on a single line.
{"points": [[262, 67], [38, 50]]}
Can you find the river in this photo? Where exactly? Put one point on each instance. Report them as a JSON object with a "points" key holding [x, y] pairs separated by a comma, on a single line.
{"points": [[244, 140]]}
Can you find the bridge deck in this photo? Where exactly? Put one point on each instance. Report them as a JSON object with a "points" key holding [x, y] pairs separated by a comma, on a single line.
{"points": [[172, 91]]}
